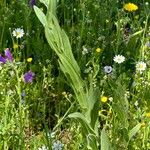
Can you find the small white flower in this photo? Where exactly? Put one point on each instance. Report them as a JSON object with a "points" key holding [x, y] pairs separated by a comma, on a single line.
{"points": [[140, 66], [84, 51], [119, 59], [110, 99], [57, 145], [107, 69], [18, 33], [43, 148]]}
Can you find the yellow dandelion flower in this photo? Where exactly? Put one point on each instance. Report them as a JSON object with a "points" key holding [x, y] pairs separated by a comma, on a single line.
{"points": [[130, 7], [148, 115], [29, 60], [15, 46], [98, 50], [104, 99]]}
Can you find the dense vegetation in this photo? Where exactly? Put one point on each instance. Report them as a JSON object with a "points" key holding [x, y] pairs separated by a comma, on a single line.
{"points": [[75, 75]]}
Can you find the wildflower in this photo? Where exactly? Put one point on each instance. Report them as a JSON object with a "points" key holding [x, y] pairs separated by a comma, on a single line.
{"points": [[148, 115], [119, 59], [146, 3], [28, 76], [18, 33], [98, 50], [107, 69], [104, 99], [43, 148], [130, 7], [140, 66], [110, 99], [57, 145], [85, 50], [8, 55], [15, 46], [29, 60], [2, 59], [32, 2]]}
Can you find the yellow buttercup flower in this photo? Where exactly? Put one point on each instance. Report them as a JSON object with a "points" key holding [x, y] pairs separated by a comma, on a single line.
{"points": [[104, 99], [130, 7], [98, 50], [29, 60]]}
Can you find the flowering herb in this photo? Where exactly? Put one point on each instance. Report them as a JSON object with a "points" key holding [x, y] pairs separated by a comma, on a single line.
{"points": [[130, 7], [18, 33], [8, 55], [140, 66], [107, 69], [119, 59], [2, 59], [28, 77]]}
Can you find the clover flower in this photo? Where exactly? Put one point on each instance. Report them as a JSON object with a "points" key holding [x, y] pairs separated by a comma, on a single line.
{"points": [[140, 66], [130, 7], [18, 33], [57, 145], [107, 69], [28, 77], [119, 59]]}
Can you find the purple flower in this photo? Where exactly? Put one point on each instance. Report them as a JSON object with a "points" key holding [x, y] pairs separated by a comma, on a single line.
{"points": [[28, 76], [32, 2], [2, 59], [8, 55]]}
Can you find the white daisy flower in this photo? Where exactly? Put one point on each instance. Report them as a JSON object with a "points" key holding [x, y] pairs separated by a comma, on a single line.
{"points": [[140, 66], [107, 69], [18, 33], [119, 59]]}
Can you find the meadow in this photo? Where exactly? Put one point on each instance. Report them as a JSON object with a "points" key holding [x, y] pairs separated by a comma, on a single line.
{"points": [[74, 75]]}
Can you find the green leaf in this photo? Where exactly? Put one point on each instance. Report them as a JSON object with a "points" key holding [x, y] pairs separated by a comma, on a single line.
{"points": [[85, 123], [134, 130], [41, 16], [136, 33], [92, 142], [105, 144]]}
